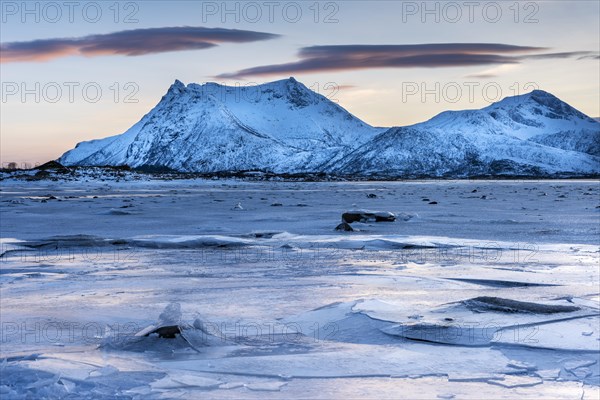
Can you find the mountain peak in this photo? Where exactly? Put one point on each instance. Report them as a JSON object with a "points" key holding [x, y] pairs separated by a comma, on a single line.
{"points": [[535, 98], [543, 97], [540, 102], [540, 92], [177, 87], [213, 127], [537, 95], [298, 94]]}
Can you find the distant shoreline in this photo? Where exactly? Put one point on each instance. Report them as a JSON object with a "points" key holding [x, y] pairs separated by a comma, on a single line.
{"points": [[59, 172]]}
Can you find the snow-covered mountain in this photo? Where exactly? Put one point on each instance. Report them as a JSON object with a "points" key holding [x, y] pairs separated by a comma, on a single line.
{"points": [[530, 134], [537, 116], [281, 126], [285, 127]]}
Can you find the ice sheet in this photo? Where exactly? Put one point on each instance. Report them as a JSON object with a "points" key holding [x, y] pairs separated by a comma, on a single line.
{"points": [[274, 303]]}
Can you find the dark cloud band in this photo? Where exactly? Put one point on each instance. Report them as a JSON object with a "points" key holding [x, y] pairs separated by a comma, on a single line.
{"points": [[128, 43], [429, 55]]}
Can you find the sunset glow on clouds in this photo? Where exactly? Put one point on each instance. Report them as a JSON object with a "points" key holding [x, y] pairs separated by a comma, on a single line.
{"points": [[360, 54], [135, 42], [428, 55]]}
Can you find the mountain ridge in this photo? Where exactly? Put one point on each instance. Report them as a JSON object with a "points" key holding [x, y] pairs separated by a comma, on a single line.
{"points": [[284, 127]]}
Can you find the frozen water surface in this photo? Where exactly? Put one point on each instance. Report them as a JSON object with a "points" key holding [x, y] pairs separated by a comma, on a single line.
{"points": [[169, 289]]}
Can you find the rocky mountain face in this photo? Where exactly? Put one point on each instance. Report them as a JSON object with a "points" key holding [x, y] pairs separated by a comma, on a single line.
{"points": [[284, 127], [531, 134], [281, 126]]}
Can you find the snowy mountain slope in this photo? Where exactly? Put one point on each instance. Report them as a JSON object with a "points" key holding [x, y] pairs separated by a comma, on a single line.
{"points": [[530, 134], [537, 116], [285, 127], [280, 126], [584, 140], [431, 151]]}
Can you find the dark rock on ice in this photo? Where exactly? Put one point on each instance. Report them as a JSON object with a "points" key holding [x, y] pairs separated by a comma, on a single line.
{"points": [[497, 304], [114, 211], [166, 332], [367, 216], [344, 226], [168, 324], [500, 283]]}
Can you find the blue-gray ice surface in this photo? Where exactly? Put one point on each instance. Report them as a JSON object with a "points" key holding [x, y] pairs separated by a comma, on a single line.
{"points": [[196, 289]]}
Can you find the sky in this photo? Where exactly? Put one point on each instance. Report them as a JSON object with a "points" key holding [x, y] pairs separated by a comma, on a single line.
{"points": [[73, 71]]}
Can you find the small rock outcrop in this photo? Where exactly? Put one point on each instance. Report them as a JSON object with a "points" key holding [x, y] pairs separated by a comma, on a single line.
{"points": [[367, 216], [344, 226]]}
